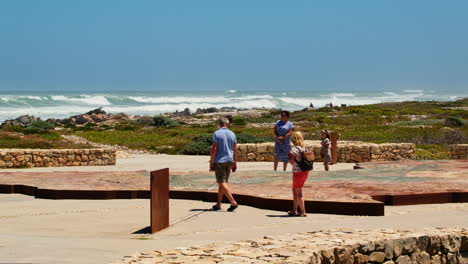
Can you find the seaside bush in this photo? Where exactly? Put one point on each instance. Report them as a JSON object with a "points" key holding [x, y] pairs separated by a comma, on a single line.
{"points": [[51, 136], [239, 121], [164, 121], [249, 138], [38, 127], [454, 122], [125, 127], [432, 152], [199, 146]]}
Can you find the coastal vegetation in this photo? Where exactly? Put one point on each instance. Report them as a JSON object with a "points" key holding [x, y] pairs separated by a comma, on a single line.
{"points": [[432, 126]]}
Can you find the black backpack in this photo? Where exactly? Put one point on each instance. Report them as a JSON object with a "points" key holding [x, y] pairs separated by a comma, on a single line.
{"points": [[307, 161]]}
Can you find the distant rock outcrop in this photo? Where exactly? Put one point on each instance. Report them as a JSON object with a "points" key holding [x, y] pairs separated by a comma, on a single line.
{"points": [[94, 116], [24, 120]]}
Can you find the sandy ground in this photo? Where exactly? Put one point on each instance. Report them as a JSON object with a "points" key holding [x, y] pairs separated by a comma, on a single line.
{"points": [[80, 231], [72, 231]]}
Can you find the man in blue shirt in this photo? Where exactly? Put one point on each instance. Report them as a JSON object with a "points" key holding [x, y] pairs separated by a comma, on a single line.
{"points": [[223, 159]]}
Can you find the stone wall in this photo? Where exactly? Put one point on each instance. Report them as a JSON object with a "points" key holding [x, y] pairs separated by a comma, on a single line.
{"points": [[29, 158], [443, 246], [459, 151], [348, 151]]}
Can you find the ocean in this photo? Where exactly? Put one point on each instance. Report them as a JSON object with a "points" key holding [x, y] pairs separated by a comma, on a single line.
{"points": [[64, 104]]}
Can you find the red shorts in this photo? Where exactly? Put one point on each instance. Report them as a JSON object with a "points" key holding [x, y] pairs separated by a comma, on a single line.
{"points": [[299, 178]]}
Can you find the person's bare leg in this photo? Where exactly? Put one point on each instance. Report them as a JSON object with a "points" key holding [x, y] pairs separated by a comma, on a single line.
{"points": [[325, 164], [285, 165], [228, 193], [220, 195], [294, 210], [275, 164], [300, 199]]}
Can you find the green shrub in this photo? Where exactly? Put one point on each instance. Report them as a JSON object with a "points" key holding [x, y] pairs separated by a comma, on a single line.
{"points": [[70, 125], [145, 121], [323, 119], [249, 138], [239, 121], [454, 122], [37, 127], [164, 121], [125, 127], [432, 152], [51, 136], [199, 146]]}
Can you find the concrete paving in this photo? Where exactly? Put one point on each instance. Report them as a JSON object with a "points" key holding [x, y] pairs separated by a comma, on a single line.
{"points": [[81, 231]]}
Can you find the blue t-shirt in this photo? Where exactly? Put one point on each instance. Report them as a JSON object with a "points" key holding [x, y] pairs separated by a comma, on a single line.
{"points": [[225, 139]]}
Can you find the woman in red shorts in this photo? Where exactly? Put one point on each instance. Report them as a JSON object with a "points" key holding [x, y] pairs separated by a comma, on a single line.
{"points": [[299, 177]]}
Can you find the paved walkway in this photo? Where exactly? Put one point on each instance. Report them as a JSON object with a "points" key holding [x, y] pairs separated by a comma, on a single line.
{"points": [[71, 231]]}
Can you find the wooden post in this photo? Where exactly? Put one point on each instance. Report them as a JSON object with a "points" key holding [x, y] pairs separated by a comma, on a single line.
{"points": [[334, 147], [159, 215]]}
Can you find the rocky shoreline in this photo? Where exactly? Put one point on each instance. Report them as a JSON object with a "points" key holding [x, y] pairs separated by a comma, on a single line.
{"points": [[99, 116]]}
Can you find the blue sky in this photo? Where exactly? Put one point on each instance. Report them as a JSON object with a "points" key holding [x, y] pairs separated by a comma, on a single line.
{"points": [[246, 45]]}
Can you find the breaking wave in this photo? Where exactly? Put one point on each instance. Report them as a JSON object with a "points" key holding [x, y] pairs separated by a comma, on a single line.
{"points": [[60, 105]]}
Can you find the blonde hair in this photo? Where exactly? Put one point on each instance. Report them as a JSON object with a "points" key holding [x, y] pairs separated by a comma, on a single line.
{"points": [[297, 139]]}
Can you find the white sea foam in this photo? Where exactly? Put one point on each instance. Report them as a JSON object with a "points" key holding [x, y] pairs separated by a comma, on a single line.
{"points": [[232, 91], [98, 100], [163, 108], [341, 95], [67, 104], [413, 91], [179, 99]]}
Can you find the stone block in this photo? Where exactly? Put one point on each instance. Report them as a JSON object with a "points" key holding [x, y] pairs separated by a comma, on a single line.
{"points": [[434, 245], [464, 243], [452, 258], [421, 258], [404, 259], [251, 156], [343, 255], [360, 258], [377, 256], [327, 257], [435, 259], [450, 243], [409, 245]]}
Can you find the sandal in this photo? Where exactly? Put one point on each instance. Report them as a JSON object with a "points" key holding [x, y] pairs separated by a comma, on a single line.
{"points": [[216, 207], [291, 213], [303, 215], [232, 208]]}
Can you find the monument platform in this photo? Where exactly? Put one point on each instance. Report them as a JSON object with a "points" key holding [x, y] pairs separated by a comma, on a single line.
{"points": [[351, 192]]}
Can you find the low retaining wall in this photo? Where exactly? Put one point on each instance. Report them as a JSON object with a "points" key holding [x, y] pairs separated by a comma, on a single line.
{"points": [[459, 151], [56, 158], [348, 151], [443, 246]]}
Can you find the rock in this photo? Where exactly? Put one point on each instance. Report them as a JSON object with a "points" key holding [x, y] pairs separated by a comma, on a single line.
{"points": [[26, 120], [435, 259], [403, 260], [377, 257], [423, 242], [97, 111], [360, 258], [450, 243], [343, 255], [409, 245], [327, 257], [421, 258], [452, 258]]}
